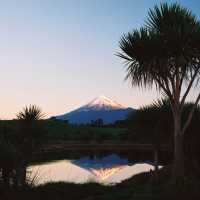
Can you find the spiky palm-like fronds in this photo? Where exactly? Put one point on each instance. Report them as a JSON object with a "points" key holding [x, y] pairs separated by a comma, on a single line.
{"points": [[167, 45], [31, 112]]}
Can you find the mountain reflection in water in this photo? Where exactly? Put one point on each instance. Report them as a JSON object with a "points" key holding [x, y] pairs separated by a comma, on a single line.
{"points": [[109, 169]]}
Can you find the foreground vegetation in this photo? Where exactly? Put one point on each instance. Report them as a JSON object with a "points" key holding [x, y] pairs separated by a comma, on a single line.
{"points": [[88, 191], [140, 187]]}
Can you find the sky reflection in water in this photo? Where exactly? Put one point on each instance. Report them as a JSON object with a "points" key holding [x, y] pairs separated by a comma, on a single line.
{"points": [[108, 170]]}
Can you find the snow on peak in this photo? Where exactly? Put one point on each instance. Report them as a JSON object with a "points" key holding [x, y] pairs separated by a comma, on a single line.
{"points": [[103, 102], [99, 108]]}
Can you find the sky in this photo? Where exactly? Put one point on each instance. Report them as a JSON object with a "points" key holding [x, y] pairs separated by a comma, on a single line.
{"points": [[60, 54]]}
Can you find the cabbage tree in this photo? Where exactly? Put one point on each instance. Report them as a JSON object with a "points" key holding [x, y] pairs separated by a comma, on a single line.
{"points": [[29, 137], [165, 53]]}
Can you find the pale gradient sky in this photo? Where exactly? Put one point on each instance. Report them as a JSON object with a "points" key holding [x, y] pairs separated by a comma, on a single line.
{"points": [[59, 54]]}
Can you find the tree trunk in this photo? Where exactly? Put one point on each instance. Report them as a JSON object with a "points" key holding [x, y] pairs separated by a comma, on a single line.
{"points": [[23, 174], [156, 164], [17, 181], [178, 171], [156, 160], [178, 156]]}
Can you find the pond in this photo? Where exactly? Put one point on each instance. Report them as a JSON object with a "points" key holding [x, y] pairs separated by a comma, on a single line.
{"points": [[110, 169]]}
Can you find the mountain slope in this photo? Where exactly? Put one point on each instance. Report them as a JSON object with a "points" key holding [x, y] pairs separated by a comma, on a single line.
{"points": [[99, 108]]}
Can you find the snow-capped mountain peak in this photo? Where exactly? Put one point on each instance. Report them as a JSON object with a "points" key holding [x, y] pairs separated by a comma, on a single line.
{"points": [[99, 108], [103, 103]]}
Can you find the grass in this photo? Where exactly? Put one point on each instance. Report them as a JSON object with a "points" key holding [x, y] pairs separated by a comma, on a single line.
{"points": [[56, 130], [61, 130], [88, 191]]}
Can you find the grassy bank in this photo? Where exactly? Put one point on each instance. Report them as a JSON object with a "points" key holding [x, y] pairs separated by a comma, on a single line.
{"points": [[56, 130], [139, 187], [89, 191], [61, 130]]}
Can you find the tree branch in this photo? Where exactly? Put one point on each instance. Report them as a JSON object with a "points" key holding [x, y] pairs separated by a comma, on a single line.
{"points": [[172, 83], [165, 88], [183, 76], [189, 87], [190, 115]]}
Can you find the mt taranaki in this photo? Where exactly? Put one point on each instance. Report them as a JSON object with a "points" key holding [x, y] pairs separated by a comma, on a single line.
{"points": [[99, 108]]}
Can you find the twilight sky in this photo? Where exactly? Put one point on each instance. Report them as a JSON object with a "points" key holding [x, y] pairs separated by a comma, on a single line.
{"points": [[59, 54]]}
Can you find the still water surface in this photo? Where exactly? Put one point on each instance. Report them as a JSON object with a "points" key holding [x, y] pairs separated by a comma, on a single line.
{"points": [[110, 169]]}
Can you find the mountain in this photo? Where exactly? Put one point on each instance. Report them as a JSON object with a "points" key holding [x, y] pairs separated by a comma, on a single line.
{"points": [[99, 108]]}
